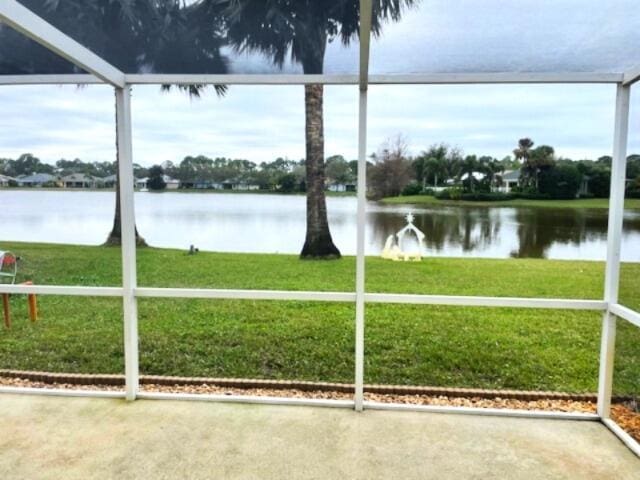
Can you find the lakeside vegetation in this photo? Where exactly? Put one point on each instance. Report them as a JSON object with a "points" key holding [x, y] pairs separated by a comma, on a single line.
{"points": [[405, 344], [532, 173], [430, 200]]}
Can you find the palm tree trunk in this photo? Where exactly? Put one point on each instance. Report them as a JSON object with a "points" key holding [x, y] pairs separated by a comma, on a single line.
{"points": [[115, 237], [318, 242]]}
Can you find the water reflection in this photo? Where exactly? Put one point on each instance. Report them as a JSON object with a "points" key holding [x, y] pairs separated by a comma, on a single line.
{"points": [[276, 223]]}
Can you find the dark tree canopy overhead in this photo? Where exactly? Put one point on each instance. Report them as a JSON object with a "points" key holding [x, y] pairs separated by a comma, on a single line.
{"points": [[299, 29], [136, 36]]}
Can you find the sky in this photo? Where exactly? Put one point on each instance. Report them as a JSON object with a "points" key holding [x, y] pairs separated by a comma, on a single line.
{"points": [[261, 123]]}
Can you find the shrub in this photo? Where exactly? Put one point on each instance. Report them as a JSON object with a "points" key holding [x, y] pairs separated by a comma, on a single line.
{"points": [[156, 181], [487, 196], [561, 181], [449, 194], [413, 188], [633, 190], [633, 193], [599, 182], [287, 183]]}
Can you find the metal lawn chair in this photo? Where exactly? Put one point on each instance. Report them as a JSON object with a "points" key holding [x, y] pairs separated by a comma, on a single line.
{"points": [[8, 274], [8, 268]]}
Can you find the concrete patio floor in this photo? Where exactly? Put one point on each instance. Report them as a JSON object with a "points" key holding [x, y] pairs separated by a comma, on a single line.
{"points": [[59, 438]]}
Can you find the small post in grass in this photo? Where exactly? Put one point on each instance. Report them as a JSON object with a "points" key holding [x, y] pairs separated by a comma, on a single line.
{"points": [[5, 308], [32, 304]]}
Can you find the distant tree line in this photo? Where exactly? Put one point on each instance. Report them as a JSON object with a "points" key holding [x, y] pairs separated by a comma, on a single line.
{"points": [[442, 170], [197, 171], [29, 164], [446, 172]]}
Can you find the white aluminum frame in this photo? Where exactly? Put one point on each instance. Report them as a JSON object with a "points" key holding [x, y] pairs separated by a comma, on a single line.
{"points": [[102, 72], [326, 79], [614, 244], [631, 76]]}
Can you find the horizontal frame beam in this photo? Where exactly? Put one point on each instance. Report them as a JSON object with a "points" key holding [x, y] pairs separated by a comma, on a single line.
{"points": [[51, 79], [631, 76], [240, 79], [244, 294], [62, 392], [31, 25], [494, 78], [493, 412], [471, 301], [326, 79], [251, 399], [625, 313], [292, 295], [63, 290], [623, 436]]}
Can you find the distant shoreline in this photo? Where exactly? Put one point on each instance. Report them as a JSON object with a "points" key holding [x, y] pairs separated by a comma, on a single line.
{"points": [[579, 203], [179, 190]]}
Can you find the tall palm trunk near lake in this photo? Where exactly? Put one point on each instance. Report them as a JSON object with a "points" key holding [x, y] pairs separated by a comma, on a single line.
{"points": [[318, 242], [300, 31], [115, 237]]}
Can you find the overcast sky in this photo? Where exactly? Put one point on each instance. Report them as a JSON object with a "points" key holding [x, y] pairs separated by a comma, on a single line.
{"points": [[262, 123]]}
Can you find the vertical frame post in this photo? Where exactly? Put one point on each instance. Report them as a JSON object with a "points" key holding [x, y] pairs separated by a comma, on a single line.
{"points": [[127, 219], [366, 13], [614, 236], [360, 264]]}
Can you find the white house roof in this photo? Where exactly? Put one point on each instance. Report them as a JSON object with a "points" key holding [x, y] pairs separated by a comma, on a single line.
{"points": [[511, 175], [168, 179], [36, 178], [477, 175], [78, 177]]}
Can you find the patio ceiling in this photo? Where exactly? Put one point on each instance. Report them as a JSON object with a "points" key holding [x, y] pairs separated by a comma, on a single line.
{"points": [[434, 41]]}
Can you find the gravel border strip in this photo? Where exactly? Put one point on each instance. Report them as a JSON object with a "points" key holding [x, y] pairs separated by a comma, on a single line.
{"points": [[245, 384]]}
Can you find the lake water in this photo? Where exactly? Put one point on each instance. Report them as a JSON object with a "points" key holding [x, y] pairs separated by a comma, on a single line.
{"points": [[276, 224]]}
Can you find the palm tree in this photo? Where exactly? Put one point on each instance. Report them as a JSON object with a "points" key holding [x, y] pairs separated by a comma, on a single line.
{"points": [[301, 29], [541, 158], [523, 152], [469, 166], [432, 163], [491, 167], [133, 35]]}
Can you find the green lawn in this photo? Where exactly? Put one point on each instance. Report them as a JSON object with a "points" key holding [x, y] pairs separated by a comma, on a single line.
{"points": [[630, 203], [405, 344]]}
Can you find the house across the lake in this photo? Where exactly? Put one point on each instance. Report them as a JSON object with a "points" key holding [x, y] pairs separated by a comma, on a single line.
{"points": [[110, 181], [202, 184], [342, 187], [239, 185], [6, 181], [81, 180], [38, 180], [510, 180], [171, 183]]}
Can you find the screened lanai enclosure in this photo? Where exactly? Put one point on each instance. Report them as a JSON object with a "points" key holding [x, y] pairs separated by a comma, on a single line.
{"points": [[354, 44]]}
